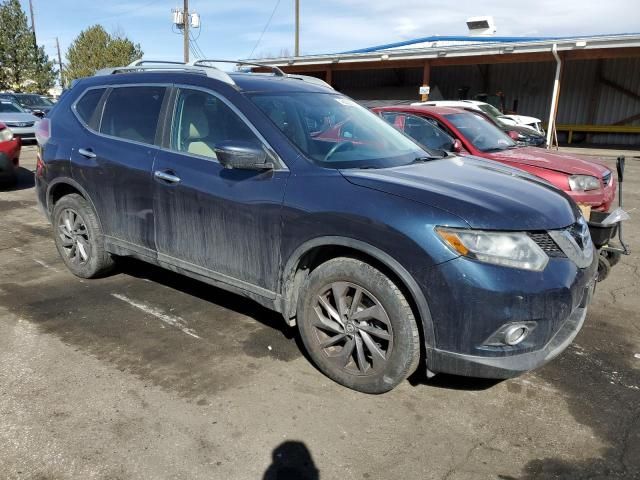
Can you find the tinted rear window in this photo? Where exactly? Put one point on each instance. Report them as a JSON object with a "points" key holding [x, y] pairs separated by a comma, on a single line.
{"points": [[132, 113], [86, 106]]}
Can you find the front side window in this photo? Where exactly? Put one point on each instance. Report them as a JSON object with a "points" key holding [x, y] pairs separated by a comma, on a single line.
{"points": [[132, 113], [421, 130], [86, 106], [485, 136], [336, 132], [202, 121]]}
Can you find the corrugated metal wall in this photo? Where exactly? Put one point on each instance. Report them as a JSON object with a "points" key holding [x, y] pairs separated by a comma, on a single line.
{"points": [[582, 98]]}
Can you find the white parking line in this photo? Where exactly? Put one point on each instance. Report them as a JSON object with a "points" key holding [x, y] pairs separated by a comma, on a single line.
{"points": [[174, 321], [45, 265]]}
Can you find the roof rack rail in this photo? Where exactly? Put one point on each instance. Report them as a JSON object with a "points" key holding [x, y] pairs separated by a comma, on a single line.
{"points": [[307, 78], [276, 70], [201, 67], [168, 65]]}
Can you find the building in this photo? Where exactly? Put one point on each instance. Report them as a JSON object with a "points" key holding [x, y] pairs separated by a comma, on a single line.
{"points": [[597, 96]]}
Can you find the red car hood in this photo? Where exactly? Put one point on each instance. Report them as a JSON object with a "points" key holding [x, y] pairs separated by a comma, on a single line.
{"points": [[560, 162]]}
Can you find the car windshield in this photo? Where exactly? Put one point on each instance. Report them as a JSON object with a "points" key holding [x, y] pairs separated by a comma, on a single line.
{"points": [[336, 132], [485, 136], [34, 100], [490, 110], [8, 107]]}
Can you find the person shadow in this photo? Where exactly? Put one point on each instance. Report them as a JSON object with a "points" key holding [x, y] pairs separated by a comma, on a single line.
{"points": [[291, 460]]}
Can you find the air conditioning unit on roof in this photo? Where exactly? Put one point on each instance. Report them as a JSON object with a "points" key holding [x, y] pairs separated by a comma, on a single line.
{"points": [[481, 26]]}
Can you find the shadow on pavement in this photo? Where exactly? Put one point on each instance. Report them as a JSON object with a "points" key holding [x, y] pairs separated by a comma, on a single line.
{"points": [[452, 382], [291, 460]]}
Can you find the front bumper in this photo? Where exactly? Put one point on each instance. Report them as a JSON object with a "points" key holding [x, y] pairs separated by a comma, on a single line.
{"points": [[514, 365], [26, 133], [469, 301]]}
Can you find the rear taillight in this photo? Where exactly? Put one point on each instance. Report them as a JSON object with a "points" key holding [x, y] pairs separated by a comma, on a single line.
{"points": [[43, 131]]}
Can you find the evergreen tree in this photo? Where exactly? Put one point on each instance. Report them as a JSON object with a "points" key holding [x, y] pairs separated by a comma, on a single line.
{"points": [[24, 66], [94, 49]]}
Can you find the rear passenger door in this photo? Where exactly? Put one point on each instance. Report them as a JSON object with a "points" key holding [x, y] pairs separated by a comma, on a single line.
{"points": [[221, 223], [113, 160]]}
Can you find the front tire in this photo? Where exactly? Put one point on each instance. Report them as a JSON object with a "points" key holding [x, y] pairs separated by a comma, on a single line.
{"points": [[357, 326], [79, 238]]}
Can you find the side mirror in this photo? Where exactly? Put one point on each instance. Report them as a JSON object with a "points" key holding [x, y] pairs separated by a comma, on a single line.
{"points": [[457, 146], [513, 135], [242, 156]]}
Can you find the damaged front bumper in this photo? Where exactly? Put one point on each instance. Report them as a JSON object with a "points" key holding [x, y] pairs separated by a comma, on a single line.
{"points": [[486, 299]]}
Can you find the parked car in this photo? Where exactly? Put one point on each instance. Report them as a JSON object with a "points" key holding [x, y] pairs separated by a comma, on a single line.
{"points": [[523, 135], [588, 183], [488, 109], [370, 244], [33, 103], [9, 155], [21, 123]]}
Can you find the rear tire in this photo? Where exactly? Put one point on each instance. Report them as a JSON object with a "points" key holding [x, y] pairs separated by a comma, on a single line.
{"points": [[79, 238], [369, 346]]}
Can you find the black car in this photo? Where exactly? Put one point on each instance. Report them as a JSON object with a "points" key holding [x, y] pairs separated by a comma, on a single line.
{"points": [[33, 103], [386, 255]]}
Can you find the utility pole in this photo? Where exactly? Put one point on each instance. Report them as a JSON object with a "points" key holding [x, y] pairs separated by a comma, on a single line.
{"points": [[296, 50], [60, 63], [185, 30], [33, 24]]}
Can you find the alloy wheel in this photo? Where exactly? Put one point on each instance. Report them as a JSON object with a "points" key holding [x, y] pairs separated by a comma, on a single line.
{"points": [[352, 328], [74, 236]]}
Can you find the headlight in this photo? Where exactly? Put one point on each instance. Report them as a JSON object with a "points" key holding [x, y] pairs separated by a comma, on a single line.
{"points": [[582, 183], [510, 249], [6, 135]]}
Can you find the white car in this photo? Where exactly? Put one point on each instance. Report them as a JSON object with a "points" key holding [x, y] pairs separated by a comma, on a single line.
{"points": [[19, 121], [490, 110]]}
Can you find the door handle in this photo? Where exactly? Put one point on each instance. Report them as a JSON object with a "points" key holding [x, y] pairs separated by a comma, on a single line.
{"points": [[86, 152], [167, 176]]}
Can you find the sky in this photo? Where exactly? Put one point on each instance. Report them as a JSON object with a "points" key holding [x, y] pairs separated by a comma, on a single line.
{"points": [[232, 29]]}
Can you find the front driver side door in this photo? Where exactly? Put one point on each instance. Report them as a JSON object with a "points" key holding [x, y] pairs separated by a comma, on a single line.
{"points": [[221, 223]]}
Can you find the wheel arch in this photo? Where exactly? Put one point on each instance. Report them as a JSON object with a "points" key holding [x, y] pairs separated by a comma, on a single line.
{"points": [[63, 186], [318, 250]]}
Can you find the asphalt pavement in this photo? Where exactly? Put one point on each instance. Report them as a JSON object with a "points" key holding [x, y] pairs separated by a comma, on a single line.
{"points": [[147, 374]]}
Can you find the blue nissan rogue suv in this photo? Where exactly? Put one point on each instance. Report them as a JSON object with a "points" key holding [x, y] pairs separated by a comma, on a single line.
{"points": [[280, 189]]}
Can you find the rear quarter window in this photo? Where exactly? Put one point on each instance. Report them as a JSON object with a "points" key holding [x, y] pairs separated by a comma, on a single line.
{"points": [[86, 106]]}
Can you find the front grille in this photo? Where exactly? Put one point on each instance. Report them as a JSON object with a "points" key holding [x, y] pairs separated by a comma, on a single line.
{"points": [[19, 124], [546, 243], [606, 179]]}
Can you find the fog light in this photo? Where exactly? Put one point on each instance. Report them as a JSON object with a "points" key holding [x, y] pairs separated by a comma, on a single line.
{"points": [[515, 334]]}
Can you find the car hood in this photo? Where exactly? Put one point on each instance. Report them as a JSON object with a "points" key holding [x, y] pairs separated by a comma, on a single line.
{"points": [[485, 194], [559, 162], [18, 117]]}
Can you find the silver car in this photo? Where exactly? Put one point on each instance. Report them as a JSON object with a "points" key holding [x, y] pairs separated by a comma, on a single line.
{"points": [[21, 123]]}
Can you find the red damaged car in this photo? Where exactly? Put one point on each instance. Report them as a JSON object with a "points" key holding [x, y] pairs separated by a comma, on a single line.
{"points": [[9, 155], [451, 129]]}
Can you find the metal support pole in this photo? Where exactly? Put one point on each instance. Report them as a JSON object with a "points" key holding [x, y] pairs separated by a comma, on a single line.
{"points": [[551, 126], [296, 50]]}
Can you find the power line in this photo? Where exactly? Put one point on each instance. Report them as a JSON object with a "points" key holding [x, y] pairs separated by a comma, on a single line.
{"points": [[265, 28], [126, 12]]}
